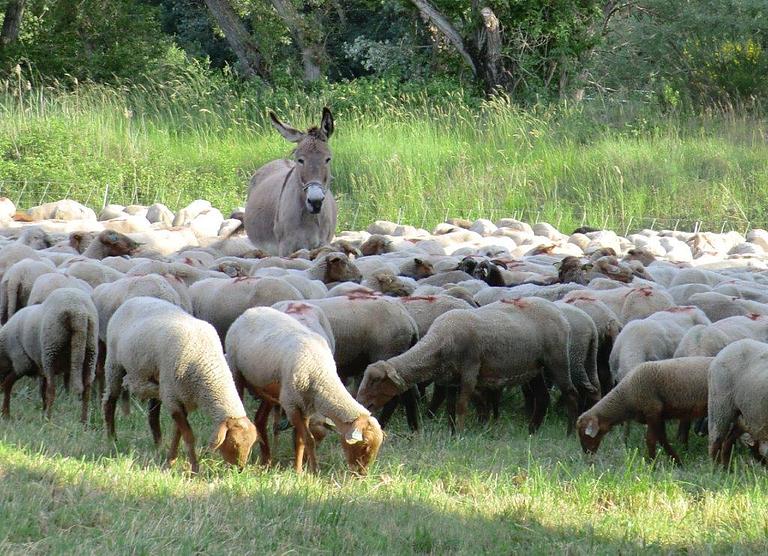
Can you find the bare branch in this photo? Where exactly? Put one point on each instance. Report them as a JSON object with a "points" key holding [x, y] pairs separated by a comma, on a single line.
{"points": [[428, 11]]}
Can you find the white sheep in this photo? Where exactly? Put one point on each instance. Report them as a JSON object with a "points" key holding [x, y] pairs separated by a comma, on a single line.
{"points": [[709, 340], [282, 362], [57, 336], [17, 283], [46, 284], [738, 390], [162, 354], [651, 339]]}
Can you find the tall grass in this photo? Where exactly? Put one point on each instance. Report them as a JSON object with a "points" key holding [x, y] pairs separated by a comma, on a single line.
{"points": [[409, 157]]}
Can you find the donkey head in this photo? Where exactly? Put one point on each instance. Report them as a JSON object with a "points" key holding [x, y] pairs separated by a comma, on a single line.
{"points": [[313, 158]]}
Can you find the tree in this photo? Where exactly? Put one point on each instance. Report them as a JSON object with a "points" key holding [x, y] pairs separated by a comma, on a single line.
{"points": [[240, 40], [12, 22], [307, 35]]}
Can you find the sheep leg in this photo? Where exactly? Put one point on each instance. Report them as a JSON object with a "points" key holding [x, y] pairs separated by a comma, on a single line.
{"points": [[50, 395], [260, 421], [650, 441], [683, 431], [451, 395], [173, 451], [277, 424], [411, 400], [539, 395], [85, 398], [8, 383], [100, 361], [661, 435], [467, 388], [189, 439], [125, 402], [153, 414], [726, 449], [438, 397], [302, 438], [388, 410]]}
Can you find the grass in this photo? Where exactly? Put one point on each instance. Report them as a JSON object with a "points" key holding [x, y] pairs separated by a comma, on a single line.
{"points": [[493, 490], [413, 159]]}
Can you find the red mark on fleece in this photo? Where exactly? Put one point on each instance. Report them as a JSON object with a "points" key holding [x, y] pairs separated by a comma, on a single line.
{"points": [[360, 294], [427, 298], [189, 261], [297, 309], [244, 279], [517, 302], [646, 291], [754, 316]]}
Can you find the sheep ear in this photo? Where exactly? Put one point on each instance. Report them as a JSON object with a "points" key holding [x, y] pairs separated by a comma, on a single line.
{"points": [[558, 264], [218, 436], [418, 261], [587, 266], [354, 436], [395, 377], [592, 429]]}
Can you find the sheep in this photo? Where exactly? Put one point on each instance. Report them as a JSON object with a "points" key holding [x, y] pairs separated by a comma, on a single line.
{"points": [[571, 270], [651, 339], [17, 283], [220, 302], [628, 303], [367, 329], [189, 274], [163, 354], [738, 389], [59, 335], [46, 284], [710, 340], [388, 283], [110, 243], [35, 238], [608, 327], [15, 252], [310, 316], [505, 343], [552, 293], [652, 393], [332, 268], [583, 344], [282, 362], [416, 268], [718, 306], [92, 272]]}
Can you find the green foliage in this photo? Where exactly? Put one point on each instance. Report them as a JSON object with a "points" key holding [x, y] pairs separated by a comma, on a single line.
{"points": [[90, 39], [704, 52]]}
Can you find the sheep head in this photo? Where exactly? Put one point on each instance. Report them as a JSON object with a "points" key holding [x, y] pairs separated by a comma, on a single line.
{"points": [[421, 269], [79, 241], [360, 441], [570, 269], [376, 245], [381, 382], [591, 432], [338, 268], [233, 438], [118, 244]]}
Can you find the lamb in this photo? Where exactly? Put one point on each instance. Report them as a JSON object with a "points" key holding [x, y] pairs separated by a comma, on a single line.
{"points": [[651, 393], [17, 283], [167, 356], [220, 302], [738, 388], [59, 335], [282, 362], [651, 339], [710, 340], [388, 283], [110, 243], [506, 343]]}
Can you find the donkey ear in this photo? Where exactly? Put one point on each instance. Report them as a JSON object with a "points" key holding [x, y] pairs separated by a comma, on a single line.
{"points": [[326, 124], [290, 134]]}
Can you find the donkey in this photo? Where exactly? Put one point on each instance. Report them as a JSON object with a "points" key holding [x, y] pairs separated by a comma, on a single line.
{"points": [[290, 205]]}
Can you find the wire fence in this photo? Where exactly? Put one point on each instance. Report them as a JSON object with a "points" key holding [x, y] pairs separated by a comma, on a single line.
{"points": [[354, 215]]}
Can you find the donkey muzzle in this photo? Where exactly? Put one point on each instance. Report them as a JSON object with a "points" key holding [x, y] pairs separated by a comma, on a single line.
{"points": [[315, 196]]}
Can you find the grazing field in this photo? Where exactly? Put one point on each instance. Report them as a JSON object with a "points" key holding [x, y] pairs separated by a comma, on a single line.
{"points": [[414, 159], [493, 490]]}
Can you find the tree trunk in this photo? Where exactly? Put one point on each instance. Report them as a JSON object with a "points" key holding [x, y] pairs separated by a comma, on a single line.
{"points": [[12, 22], [239, 39], [487, 52], [430, 13], [313, 55]]}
